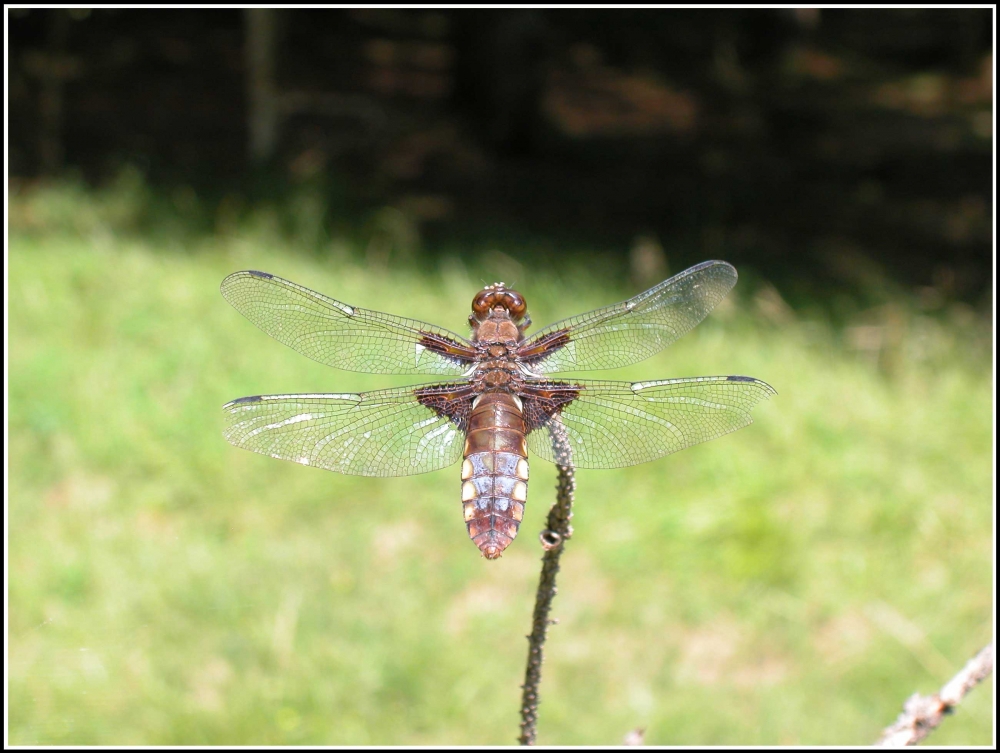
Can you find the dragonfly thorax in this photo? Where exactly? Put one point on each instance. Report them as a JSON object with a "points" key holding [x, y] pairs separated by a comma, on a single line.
{"points": [[498, 330]]}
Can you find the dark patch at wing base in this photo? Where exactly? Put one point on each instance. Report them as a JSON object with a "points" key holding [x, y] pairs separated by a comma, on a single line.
{"points": [[454, 404], [448, 348], [545, 347], [543, 400]]}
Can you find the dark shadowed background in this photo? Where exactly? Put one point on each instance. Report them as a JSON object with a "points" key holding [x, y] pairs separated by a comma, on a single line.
{"points": [[791, 583], [826, 146]]}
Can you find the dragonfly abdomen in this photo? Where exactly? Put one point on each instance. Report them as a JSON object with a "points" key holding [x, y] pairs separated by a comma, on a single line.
{"points": [[495, 472]]}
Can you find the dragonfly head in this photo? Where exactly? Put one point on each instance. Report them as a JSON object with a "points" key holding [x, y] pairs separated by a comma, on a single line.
{"points": [[496, 299]]}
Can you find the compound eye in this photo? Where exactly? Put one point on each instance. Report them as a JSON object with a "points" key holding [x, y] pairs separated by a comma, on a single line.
{"points": [[481, 304], [514, 303]]}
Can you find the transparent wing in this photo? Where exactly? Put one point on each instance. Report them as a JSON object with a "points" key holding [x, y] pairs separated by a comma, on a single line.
{"points": [[616, 424], [633, 330], [345, 336], [396, 432]]}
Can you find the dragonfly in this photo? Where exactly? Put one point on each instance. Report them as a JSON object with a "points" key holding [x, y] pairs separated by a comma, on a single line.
{"points": [[494, 397]]}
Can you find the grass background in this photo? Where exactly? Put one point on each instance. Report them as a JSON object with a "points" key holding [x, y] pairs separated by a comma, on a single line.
{"points": [[791, 583]]}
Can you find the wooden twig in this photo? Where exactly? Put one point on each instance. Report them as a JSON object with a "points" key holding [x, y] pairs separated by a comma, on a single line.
{"points": [[921, 714], [635, 737], [553, 539]]}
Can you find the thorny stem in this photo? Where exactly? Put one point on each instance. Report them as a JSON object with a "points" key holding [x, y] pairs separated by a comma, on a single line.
{"points": [[553, 540]]}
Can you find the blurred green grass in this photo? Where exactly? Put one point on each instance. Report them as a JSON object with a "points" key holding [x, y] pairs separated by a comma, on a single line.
{"points": [[791, 583]]}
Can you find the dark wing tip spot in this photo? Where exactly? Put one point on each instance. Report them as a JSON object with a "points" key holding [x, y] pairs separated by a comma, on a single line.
{"points": [[255, 273], [243, 401], [763, 385], [711, 263]]}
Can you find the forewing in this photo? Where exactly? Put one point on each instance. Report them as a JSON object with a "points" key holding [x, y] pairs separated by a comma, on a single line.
{"points": [[633, 330], [616, 424], [345, 336], [396, 432]]}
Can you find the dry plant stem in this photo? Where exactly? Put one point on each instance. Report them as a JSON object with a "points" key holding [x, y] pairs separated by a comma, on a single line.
{"points": [[635, 737], [921, 714], [553, 540]]}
